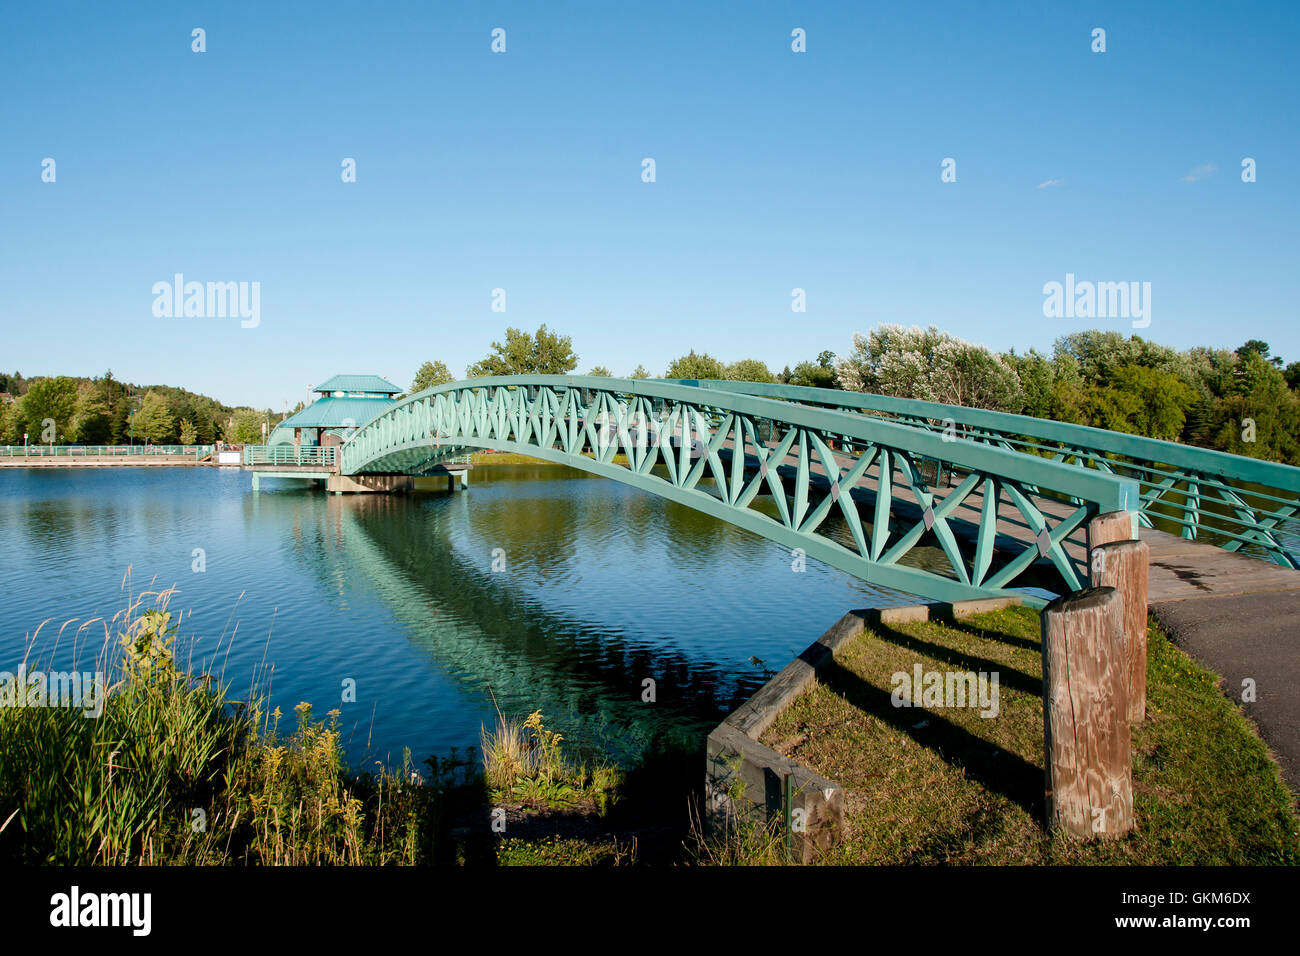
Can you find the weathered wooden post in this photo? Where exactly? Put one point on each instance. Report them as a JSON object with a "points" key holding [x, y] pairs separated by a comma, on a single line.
{"points": [[1125, 566], [1112, 526], [1085, 715]]}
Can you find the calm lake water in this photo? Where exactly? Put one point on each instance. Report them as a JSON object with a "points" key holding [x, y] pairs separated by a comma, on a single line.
{"points": [[603, 586]]}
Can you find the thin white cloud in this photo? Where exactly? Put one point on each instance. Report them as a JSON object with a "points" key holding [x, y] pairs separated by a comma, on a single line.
{"points": [[1048, 183], [1201, 172]]}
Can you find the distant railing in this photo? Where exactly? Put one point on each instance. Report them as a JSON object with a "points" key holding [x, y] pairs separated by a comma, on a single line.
{"points": [[104, 451], [323, 455]]}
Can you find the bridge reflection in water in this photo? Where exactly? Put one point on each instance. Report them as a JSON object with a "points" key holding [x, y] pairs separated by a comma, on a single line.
{"points": [[602, 587]]}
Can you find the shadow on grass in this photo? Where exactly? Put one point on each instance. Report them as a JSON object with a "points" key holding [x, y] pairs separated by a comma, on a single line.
{"points": [[982, 761], [997, 636], [1015, 679]]}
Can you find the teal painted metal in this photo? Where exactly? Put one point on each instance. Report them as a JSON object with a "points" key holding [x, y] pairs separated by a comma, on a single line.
{"points": [[359, 398], [323, 455], [331, 412], [104, 451], [1241, 501], [373, 384], [717, 451]]}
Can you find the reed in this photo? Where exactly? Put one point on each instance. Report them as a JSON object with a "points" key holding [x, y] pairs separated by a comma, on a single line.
{"points": [[176, 771]]}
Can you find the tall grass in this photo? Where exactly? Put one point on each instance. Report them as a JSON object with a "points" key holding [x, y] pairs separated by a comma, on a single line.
{"points": [[525, 763], [175, 771]]}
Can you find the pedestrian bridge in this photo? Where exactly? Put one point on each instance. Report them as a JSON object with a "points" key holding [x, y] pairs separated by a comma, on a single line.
{"points": [[944, 502]]}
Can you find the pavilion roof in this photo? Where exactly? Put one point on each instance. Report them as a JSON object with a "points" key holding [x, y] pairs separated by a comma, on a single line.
{"points": [[332, 412], [358, 383]]}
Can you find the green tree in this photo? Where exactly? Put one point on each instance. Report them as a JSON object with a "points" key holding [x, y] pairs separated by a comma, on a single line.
{"points": [[1037, 377], [92, 424], [749, 370], [244, 427], [545, 353], [818, 374], [14, 384], [692, 366], [188, 434], [50, 407], [640, 372], [153, 420], [12, 422], [1069, 399], [1212, 369], [1264, 423], [120, 422], [1292, 375], [1143, 401], [1099, 353], [1251, 371], [431, 375], [601, 372], [1262, 349]]}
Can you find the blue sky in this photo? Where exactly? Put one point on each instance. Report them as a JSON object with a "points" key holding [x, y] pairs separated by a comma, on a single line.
{"points": [[522, 171]]}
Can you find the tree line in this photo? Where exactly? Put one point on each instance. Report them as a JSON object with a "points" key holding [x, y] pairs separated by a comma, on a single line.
{"points": [[105, 411], [549, 353], [1244, 400]]}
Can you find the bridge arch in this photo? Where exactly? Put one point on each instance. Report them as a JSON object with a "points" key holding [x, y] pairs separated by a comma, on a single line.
{"points": [[998, 520]]}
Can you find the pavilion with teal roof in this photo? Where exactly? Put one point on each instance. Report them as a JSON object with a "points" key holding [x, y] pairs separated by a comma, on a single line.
{"points": [[346, 402]]}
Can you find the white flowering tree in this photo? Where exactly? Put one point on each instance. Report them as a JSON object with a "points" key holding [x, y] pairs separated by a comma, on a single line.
{"points": [[931, 366]]}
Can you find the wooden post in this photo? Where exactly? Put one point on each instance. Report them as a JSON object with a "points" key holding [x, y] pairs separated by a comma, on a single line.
{"points": [[1112, 526], [1124, 566], [1085, 715]]}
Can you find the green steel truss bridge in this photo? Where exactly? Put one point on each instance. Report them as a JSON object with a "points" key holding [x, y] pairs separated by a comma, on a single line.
{"points": [[944, 502], [1233, 501]]}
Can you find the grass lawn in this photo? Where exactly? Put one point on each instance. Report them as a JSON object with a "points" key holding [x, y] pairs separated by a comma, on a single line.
{"points": [[945, 785]]}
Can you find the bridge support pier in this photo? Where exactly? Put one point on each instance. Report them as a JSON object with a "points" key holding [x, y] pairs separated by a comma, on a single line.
{"points": [[368, 484]]}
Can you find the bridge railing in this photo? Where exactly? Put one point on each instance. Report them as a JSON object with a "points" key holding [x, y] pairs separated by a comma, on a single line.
{"points": [[1232, 501], [103, 451], [781, 469], [326, 456]]}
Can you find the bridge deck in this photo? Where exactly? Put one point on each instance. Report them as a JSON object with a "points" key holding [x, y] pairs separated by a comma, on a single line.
{"points": [[1183, 569]]}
